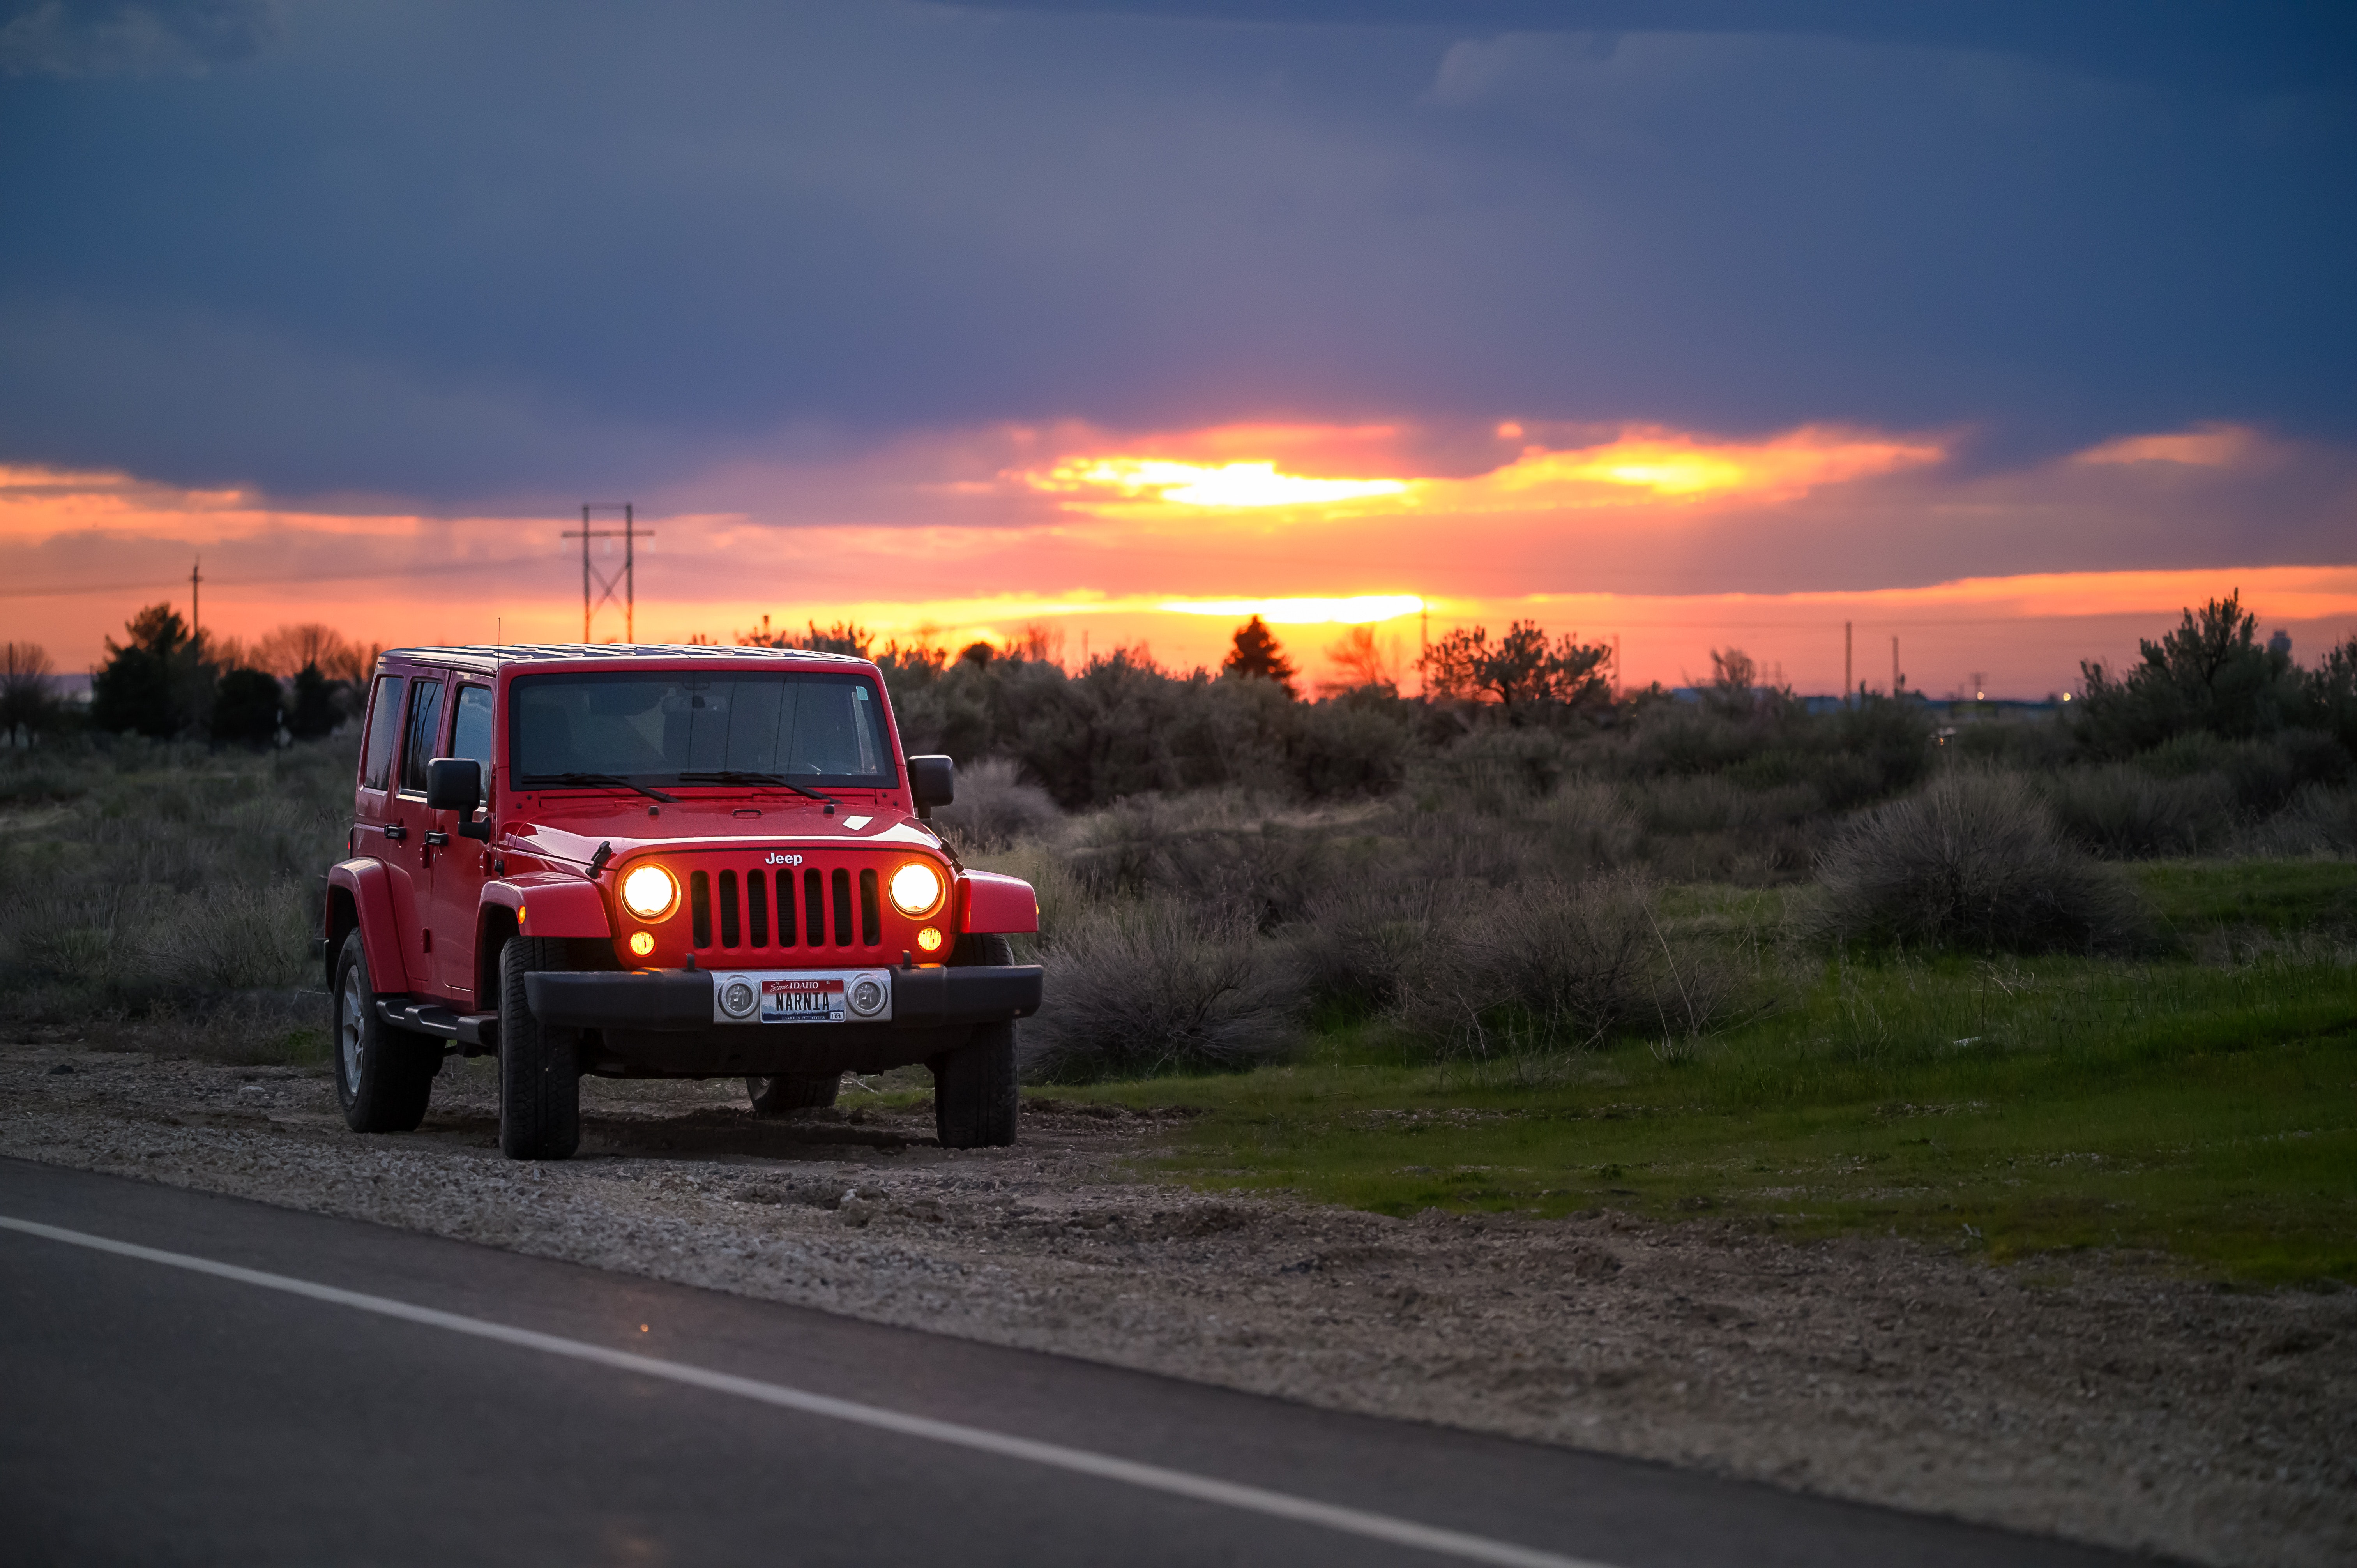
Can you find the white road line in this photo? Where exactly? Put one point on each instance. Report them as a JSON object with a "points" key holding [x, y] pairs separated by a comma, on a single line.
{"points": [[1080, 1461]]}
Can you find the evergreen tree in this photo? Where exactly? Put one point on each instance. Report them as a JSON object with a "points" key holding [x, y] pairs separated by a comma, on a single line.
{"points": [[1256, 653], [246, 708], [153, 684], [2212, 673], [315, 709]]}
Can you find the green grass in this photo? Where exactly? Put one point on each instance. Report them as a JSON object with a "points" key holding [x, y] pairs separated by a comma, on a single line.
{"points": [[2278, 896], [2012, 1107]]}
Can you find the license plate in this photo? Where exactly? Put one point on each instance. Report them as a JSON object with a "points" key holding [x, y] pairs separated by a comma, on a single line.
{"points": [[802, 1001]]}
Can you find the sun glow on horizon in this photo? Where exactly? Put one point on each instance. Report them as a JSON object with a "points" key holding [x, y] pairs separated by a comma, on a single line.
{"points": [[1360, 610]]}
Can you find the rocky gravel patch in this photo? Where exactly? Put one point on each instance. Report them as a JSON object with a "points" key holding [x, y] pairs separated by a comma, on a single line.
{"points": [[2106, 1400]]}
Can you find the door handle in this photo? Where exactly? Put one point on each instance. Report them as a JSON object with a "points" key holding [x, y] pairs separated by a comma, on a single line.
{"points": [[437, 837], [395, 831]]}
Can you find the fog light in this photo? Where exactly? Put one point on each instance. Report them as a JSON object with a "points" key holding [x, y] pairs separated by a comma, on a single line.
{"points": [[916, 889], [737, 999], [642, 943], [650, 892], [868, 996], [930, 940]]}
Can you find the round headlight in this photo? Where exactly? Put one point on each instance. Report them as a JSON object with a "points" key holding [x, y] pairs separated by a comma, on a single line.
{"points": [[916, 889], [650, 892], [867, 997], [736, 998]]}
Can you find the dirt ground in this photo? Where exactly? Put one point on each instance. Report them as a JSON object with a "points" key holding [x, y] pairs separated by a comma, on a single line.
{"points": [[2105, 1400]]}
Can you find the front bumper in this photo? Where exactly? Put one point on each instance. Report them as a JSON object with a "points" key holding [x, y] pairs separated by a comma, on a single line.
{"points": [[681, 1001]]}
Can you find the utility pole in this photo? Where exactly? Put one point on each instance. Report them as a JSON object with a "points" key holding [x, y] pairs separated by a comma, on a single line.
{"points": [[605, 583], [1849, 682], [1897, 681], [196, 608], [1619, 682]]}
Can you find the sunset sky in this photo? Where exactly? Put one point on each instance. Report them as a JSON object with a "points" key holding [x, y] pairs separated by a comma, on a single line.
{"points": [[2003, 330]]}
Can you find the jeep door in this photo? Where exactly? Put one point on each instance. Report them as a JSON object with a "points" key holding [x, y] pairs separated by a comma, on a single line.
{"points": [[459, 866], [408, 857]]}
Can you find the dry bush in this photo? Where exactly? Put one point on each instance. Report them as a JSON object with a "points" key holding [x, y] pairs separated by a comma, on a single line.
{"points": [[1219, 854], [170, 875], [995, 808], [1975, 860], [241, 938], [1711, 803], [2124, 811], [1590, 824], [1354, 944], [2320, 819], [1495, 770], [1155, 988], [1558, 964]]}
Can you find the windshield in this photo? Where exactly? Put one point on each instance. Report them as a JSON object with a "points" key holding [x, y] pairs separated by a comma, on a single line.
{"points": [[658, 726]]}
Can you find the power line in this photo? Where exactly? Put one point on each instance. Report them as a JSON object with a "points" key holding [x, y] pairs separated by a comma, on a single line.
{"points": [[628, 578]]}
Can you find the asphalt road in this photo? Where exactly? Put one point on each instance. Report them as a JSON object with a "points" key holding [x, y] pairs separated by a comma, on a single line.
{"points": [[193, 1379]]}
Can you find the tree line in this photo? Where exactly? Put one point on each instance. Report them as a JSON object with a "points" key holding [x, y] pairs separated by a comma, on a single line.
{"points": [[1122, 724], [167, 682]]}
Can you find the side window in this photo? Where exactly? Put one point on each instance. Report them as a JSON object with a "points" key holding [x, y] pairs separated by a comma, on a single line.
{"points": [[470, 733], [425, 729], [385, 722]]}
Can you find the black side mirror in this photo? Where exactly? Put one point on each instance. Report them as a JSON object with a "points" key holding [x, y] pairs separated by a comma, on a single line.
{"points": [[933, 782], [453, 784]]}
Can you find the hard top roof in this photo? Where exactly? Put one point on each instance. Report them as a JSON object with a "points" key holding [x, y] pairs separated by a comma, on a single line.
{"points": [[486, 659]]}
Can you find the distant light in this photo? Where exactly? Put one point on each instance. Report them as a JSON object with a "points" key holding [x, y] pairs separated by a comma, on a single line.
{"points": [[2066, 696]]}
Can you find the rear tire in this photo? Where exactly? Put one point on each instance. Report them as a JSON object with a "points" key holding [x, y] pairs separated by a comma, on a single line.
{"points": [[540, 1075], [776, 1096], [385, 1076]]}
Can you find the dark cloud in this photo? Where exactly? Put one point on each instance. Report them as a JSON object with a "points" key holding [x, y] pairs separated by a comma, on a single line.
{"points": [[2256, 45], [471, 254], [130, 38]]}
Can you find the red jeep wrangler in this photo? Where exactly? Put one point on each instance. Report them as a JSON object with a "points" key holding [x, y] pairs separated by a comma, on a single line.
{"points": [[689, 863]]}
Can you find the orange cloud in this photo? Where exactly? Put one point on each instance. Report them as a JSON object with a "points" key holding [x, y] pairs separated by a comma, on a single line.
{"points": [[1640, 466], [2211, 446]]}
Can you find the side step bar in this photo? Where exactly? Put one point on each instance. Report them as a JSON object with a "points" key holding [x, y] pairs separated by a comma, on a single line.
{"points": [[480, 1030]]}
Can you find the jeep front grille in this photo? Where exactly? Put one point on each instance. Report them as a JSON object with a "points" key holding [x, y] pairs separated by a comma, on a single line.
{"points": [[756, 907]]}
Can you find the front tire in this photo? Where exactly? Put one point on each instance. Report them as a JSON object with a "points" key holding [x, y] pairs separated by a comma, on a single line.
{"points": [[974, 1094], [540, 1075], [776, 1096], [384, 1075]]}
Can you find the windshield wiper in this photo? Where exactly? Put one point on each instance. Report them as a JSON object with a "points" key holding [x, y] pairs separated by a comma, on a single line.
{"points": [[615, 780], [738, 776]]}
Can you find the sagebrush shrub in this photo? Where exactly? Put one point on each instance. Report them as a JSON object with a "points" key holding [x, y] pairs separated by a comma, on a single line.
{"points": [[2124, 811], [1554, 964], [995, 808], [1147, 989], [1975, 860]]}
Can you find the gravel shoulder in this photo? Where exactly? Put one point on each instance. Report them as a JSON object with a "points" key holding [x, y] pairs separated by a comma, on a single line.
{"points": [[2105, 1400]]}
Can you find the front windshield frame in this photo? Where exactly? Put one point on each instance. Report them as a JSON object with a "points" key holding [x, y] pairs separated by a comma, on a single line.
{"points": [[853, 747]]}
